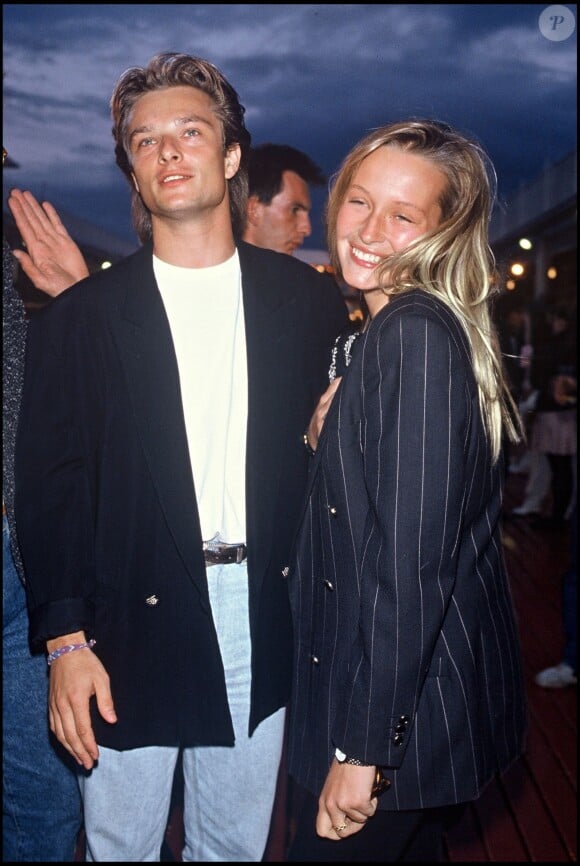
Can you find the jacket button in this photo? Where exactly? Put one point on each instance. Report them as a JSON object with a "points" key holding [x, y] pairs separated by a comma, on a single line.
{"points": [[152, 600], [398, 739], [332, 510], [404, 719], [329, 585], [315, 660], [285, 571]]}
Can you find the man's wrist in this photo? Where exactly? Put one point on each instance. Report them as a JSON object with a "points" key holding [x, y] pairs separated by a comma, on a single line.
{"points": [[69, 648], [65, 640]]}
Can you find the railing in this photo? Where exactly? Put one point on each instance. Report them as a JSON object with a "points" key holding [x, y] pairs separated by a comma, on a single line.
{"points": [[556, 185]]}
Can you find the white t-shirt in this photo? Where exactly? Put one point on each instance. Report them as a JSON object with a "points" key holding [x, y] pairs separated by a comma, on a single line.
{"points": [[205, 311]]}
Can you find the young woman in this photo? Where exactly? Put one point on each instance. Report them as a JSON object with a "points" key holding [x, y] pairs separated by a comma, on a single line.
{"points": [[406, 658]]}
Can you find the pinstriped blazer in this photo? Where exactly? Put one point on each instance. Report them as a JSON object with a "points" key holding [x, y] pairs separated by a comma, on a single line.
{"points": [[406, 645]]}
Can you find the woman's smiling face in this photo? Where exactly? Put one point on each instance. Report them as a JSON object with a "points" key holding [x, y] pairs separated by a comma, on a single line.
{"points": [[394, 198]]}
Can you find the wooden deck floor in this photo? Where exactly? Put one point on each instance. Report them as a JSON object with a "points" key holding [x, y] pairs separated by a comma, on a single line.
{"points": [[531, 814]]}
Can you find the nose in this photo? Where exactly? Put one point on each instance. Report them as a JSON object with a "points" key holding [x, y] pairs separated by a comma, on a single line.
{"points": [[168, 149], [373, 229], [304, 225]]}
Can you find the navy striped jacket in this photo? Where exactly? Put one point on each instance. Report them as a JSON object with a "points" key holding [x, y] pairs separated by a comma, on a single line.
{"points": [[406, 644]]}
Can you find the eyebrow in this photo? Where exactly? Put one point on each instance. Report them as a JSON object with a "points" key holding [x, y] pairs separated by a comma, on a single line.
{"points": [[398, 203], [179, 121]]}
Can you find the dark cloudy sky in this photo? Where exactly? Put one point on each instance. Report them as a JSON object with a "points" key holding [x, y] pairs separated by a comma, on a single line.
{"points": [[316, 76]]}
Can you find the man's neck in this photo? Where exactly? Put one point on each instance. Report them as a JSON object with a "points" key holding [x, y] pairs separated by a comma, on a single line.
{"points": [[250, 236], [199, 245]]}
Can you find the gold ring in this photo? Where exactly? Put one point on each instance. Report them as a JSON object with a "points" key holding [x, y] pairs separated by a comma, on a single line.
{"points": [[340, 827]]}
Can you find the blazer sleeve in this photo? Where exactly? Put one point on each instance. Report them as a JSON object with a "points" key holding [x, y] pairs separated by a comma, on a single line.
{"points": [[417, 407], [54, 504]]}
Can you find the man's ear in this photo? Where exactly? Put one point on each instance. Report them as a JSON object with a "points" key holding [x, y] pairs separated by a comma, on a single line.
{"points": [[232, 160], [253, 209]]}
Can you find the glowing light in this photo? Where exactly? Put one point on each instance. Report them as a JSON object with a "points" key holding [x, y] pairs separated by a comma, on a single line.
{"points": [[552, 273], [510, 285], [517, 269], [525, 243], [105, 265]]}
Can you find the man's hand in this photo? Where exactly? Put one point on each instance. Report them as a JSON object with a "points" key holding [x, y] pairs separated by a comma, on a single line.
{"points": [[74, 678], [52, 260], [345, 804]]}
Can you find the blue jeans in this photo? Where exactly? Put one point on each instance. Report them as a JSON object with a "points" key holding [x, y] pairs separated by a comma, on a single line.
{"points": [[229, 792], [41, 805]]}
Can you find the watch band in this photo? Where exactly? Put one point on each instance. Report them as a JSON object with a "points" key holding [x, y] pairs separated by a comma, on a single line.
{"points": [[381, 784], [344, 759]]}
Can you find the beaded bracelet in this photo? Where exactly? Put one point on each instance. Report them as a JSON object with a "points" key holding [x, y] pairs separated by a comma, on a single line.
{"points": [[70, 648]]}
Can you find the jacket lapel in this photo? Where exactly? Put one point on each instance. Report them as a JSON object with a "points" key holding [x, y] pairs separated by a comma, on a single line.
{"points": [[345, 407], [148, 358], [270, 336]]}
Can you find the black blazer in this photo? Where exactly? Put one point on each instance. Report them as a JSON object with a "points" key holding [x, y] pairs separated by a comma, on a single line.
{"points": [[407, 652], [105, 501]]}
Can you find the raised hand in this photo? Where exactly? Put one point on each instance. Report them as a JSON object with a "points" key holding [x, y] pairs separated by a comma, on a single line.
{"points": [[52, 260]]}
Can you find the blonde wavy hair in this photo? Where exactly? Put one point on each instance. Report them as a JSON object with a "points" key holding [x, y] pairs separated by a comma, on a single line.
{"points": [[454, 261]]}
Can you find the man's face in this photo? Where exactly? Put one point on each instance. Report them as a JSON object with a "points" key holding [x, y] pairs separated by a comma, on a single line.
{"points": [[283, 224], [179, 167]]}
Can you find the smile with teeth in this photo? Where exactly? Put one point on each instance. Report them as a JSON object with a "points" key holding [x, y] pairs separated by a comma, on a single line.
{"points": [[173, 177], [369, 258]]}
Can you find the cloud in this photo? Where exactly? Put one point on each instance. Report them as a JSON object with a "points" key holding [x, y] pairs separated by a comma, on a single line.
{"points": [[317, 76]]}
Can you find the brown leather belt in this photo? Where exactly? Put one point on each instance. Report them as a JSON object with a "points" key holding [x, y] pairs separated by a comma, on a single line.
{"points": [[223, 554]]}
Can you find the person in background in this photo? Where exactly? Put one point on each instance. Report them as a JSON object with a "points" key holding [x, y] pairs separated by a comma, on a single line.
{"points": [[279, 205], [408, 695], [160, 469], [554, 431], [565, 673], [513, 327], [40, 795], [512, 320]]}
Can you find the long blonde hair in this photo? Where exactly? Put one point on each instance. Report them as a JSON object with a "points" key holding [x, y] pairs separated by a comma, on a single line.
{"points": [[453, 261]]}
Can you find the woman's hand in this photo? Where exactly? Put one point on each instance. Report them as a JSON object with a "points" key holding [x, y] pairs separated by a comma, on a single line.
{"points": [[317, 420], [345, 804]]}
